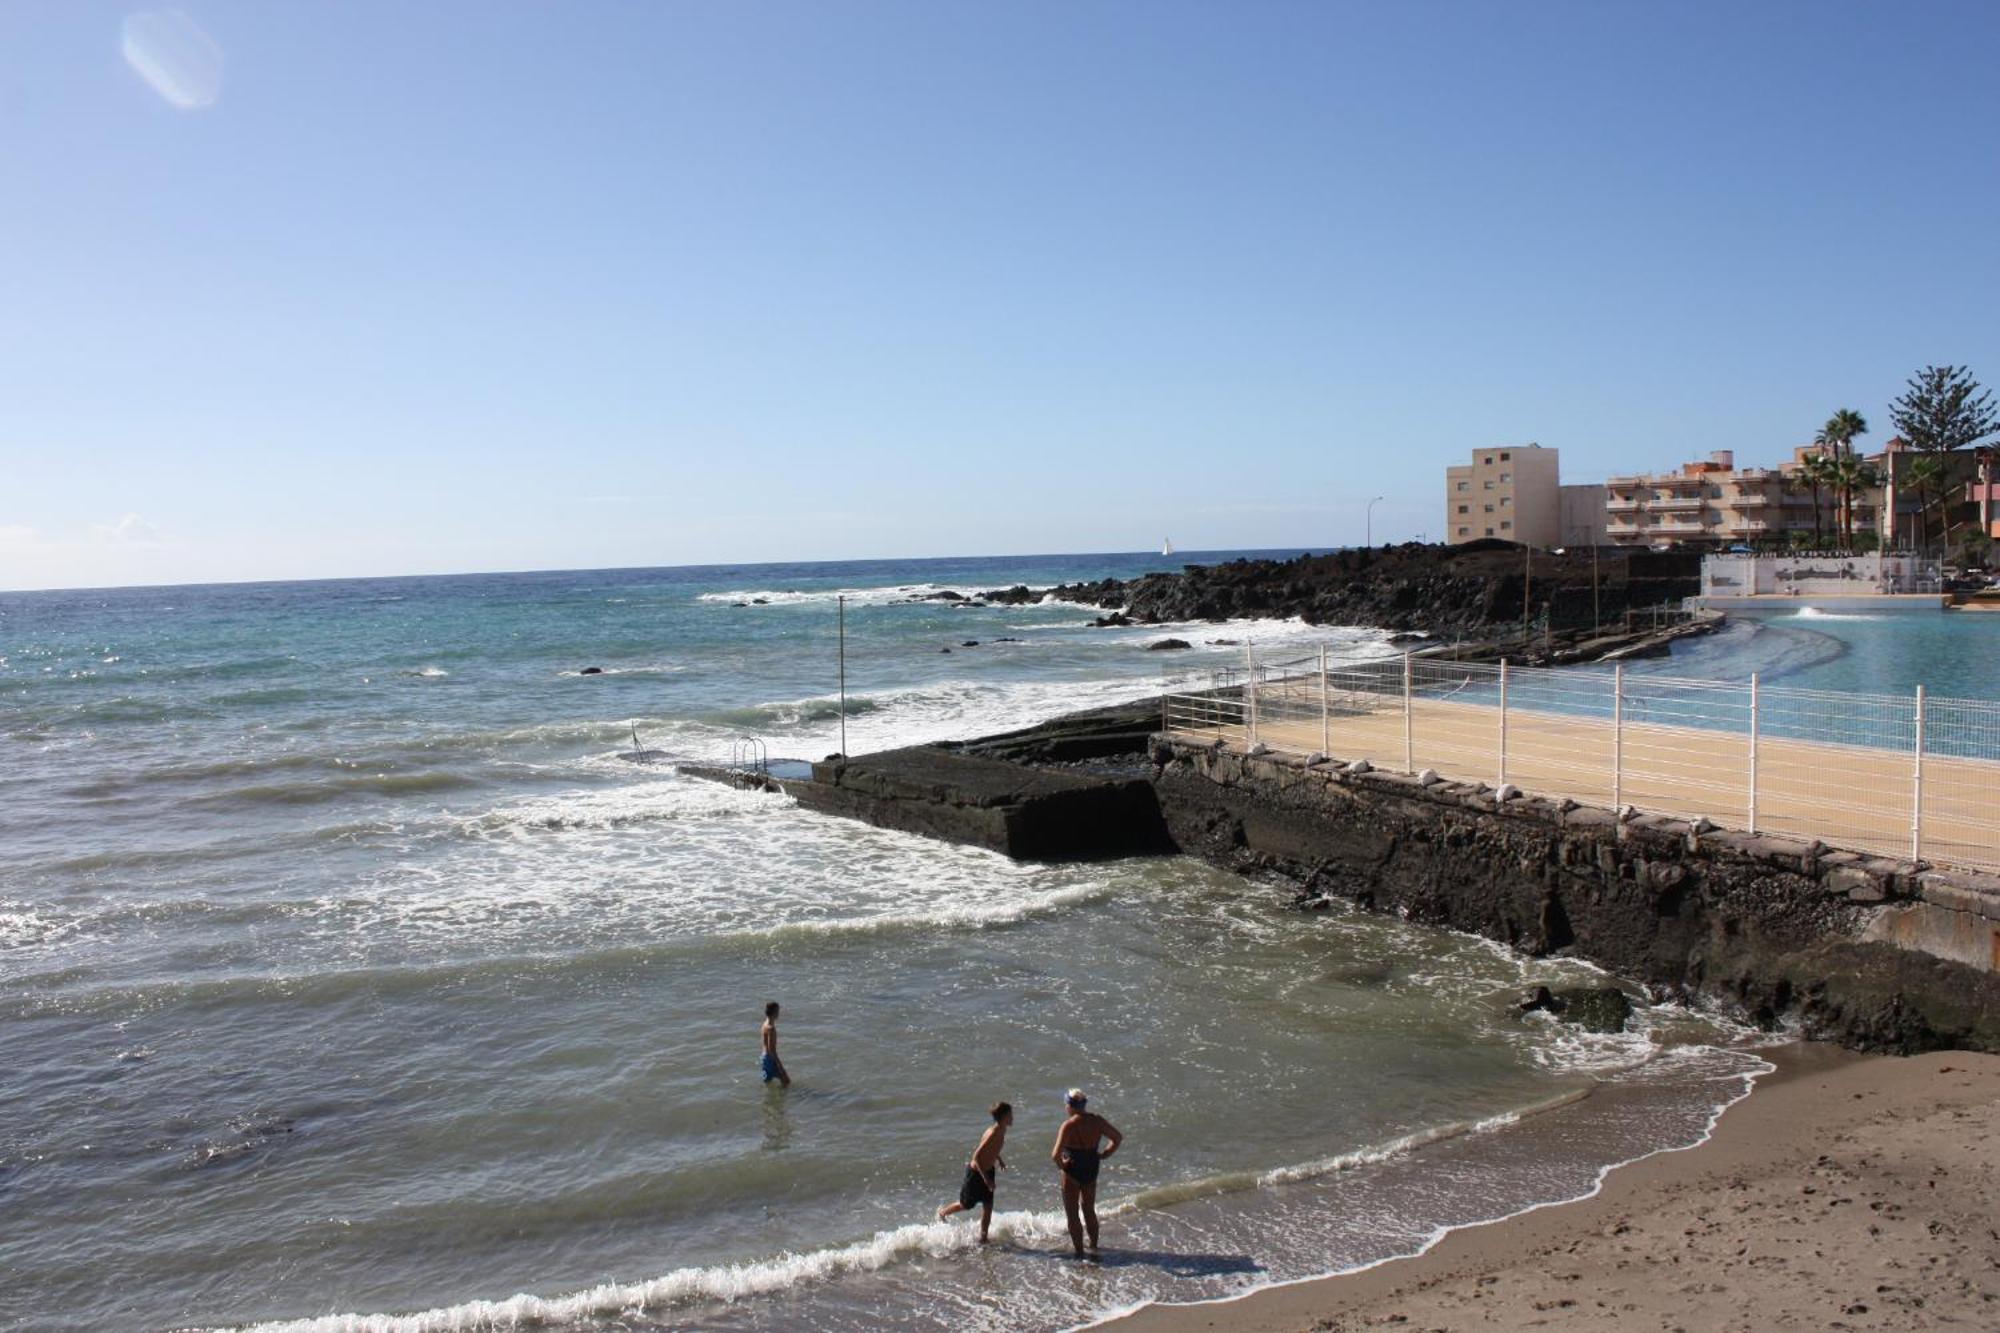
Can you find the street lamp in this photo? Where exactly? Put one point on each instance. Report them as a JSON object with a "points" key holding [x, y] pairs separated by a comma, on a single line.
{"points": [[1369, 519]]}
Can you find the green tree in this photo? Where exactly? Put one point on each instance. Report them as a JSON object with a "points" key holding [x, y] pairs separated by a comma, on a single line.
{"points": [[1816, 471], [1942, 409], [1841, 430], [1926, 476], [1848, 475]]}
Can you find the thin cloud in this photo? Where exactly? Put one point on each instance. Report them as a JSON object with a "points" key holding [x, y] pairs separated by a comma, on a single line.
{"points": [[131, 530]]}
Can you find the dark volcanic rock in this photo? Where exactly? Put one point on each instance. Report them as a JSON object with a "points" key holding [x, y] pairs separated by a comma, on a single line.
{"points": [[1018, 595], [1167, 645], [1471, 589], [591, 671], [1594, 1008], [1116, 620]]}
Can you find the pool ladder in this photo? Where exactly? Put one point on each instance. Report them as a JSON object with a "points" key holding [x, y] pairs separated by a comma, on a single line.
{"points": [[750, 756]]}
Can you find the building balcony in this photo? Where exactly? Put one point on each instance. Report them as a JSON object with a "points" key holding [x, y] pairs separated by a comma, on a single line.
{"points": [[1678, 502], [1623, 506], [1751, 501]]}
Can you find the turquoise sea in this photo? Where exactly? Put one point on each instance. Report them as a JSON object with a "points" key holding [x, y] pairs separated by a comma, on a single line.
{"points": [[350, 979]]}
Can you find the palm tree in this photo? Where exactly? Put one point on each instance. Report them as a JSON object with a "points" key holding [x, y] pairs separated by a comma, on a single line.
{"points": [[1816, 472], [1841, 430], [1848, 475], [1925, 475]]}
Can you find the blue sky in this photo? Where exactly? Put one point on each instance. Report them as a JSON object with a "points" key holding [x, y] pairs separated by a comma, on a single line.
{"points": [[353, 288]]}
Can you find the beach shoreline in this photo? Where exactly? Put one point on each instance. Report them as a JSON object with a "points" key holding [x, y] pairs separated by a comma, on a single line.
{"points": [[1846, 1191]]}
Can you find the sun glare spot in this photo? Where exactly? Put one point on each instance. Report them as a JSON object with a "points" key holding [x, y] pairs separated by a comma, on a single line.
{"points": [[175, 57]]}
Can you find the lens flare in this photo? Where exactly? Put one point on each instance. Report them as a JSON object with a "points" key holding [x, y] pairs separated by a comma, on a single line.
{"points": [[175, 57]]}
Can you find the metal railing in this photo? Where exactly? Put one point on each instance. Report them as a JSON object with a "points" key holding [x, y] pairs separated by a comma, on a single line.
{"points": [[1900, 775]]}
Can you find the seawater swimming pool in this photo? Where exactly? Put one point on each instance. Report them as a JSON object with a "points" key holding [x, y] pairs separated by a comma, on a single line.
{"points": [[1952, 653]]}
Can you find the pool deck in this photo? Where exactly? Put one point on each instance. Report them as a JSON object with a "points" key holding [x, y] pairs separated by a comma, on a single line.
{"points": [[1852, 796]]}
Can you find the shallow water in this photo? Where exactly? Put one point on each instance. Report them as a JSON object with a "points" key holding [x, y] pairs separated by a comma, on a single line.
{"points": [[348, 969]]}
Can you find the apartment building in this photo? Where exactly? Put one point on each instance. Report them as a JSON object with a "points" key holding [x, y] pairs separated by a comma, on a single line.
{"points": [[1709, 500], [1509, 491]]}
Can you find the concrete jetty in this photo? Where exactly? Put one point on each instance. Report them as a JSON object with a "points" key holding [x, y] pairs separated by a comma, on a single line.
{"points": [[1875, 952]]}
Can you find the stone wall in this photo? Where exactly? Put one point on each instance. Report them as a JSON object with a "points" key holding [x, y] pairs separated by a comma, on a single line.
{"points": [[1851, 948]]}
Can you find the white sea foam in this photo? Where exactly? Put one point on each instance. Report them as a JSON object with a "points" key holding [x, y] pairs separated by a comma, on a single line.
{"points": [[906, 592], [686, 1286], [1408, 1143], [554, 872], [1820, 613]]}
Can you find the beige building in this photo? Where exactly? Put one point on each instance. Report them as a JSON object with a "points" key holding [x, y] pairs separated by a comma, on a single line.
{"points": [[1716, 503], [1510, 492], [1707, 501]]}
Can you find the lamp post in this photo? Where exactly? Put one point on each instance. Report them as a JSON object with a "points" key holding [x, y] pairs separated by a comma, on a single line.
{"points": [[1369, 520]]}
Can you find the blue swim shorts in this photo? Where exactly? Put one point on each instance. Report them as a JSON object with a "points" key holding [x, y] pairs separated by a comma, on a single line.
{"points": [[769, 1064]]}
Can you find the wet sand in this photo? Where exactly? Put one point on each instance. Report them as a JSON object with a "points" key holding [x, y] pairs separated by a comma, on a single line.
{"points": [[1847, 1192]]}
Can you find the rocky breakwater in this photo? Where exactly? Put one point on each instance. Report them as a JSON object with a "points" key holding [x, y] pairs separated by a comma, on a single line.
{"points": [[1778, 931], [1031, 814], [1474, 589]]}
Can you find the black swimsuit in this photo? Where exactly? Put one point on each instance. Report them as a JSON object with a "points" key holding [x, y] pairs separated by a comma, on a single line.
{"points": [[1081, 1164]]}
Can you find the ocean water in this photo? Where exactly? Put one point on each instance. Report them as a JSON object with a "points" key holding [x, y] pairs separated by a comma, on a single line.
{"points": [[350, 979]]}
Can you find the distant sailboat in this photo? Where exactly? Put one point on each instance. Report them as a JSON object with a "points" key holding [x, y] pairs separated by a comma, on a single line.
{"points": [[1167, 547]]}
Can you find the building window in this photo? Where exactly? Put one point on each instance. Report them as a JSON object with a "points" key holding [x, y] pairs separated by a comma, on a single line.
{"points": [[1488, 485], [1465, 532], [1506, 501], [1489, 532], [1489, 460], [1465, 509], [1506, 523], [1465, 485], [1506, 476], [1505, 457], [1489, 509]]}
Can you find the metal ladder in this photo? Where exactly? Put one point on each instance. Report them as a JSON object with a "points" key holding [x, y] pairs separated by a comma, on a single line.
{"points": [[749, 755]]}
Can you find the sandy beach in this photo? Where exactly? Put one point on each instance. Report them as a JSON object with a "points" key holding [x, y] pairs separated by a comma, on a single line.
{"points": [[1846, 1192]]}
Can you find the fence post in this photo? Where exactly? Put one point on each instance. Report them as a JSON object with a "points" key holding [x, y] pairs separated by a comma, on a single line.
{"points": [[1502, 780], [1249, 697], [1409, 737], [1917, 787], [1618, 736], [1754, 728], [1325, 708]]}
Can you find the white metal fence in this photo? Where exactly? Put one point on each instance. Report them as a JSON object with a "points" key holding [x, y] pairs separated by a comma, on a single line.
{"points": [[1909, 776]]}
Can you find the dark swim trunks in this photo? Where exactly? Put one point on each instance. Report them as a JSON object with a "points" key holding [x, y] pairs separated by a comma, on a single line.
{"points": [[1081, 1164], [975, 1191]]}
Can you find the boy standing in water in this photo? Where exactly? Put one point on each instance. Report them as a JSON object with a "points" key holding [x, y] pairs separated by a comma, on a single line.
{"points": [[977, 1191], [1077, 1154], [772, 1066]]}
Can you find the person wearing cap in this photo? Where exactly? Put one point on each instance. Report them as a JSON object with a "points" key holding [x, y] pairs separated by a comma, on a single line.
{"points": [[1080, 1149], [980, 1181]]}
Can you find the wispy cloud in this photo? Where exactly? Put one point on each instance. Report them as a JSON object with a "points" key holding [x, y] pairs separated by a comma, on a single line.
{"points": [[131, 530]]}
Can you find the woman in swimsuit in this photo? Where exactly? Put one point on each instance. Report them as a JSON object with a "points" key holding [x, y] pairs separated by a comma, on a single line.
{"points": [[1078, 1154]]}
